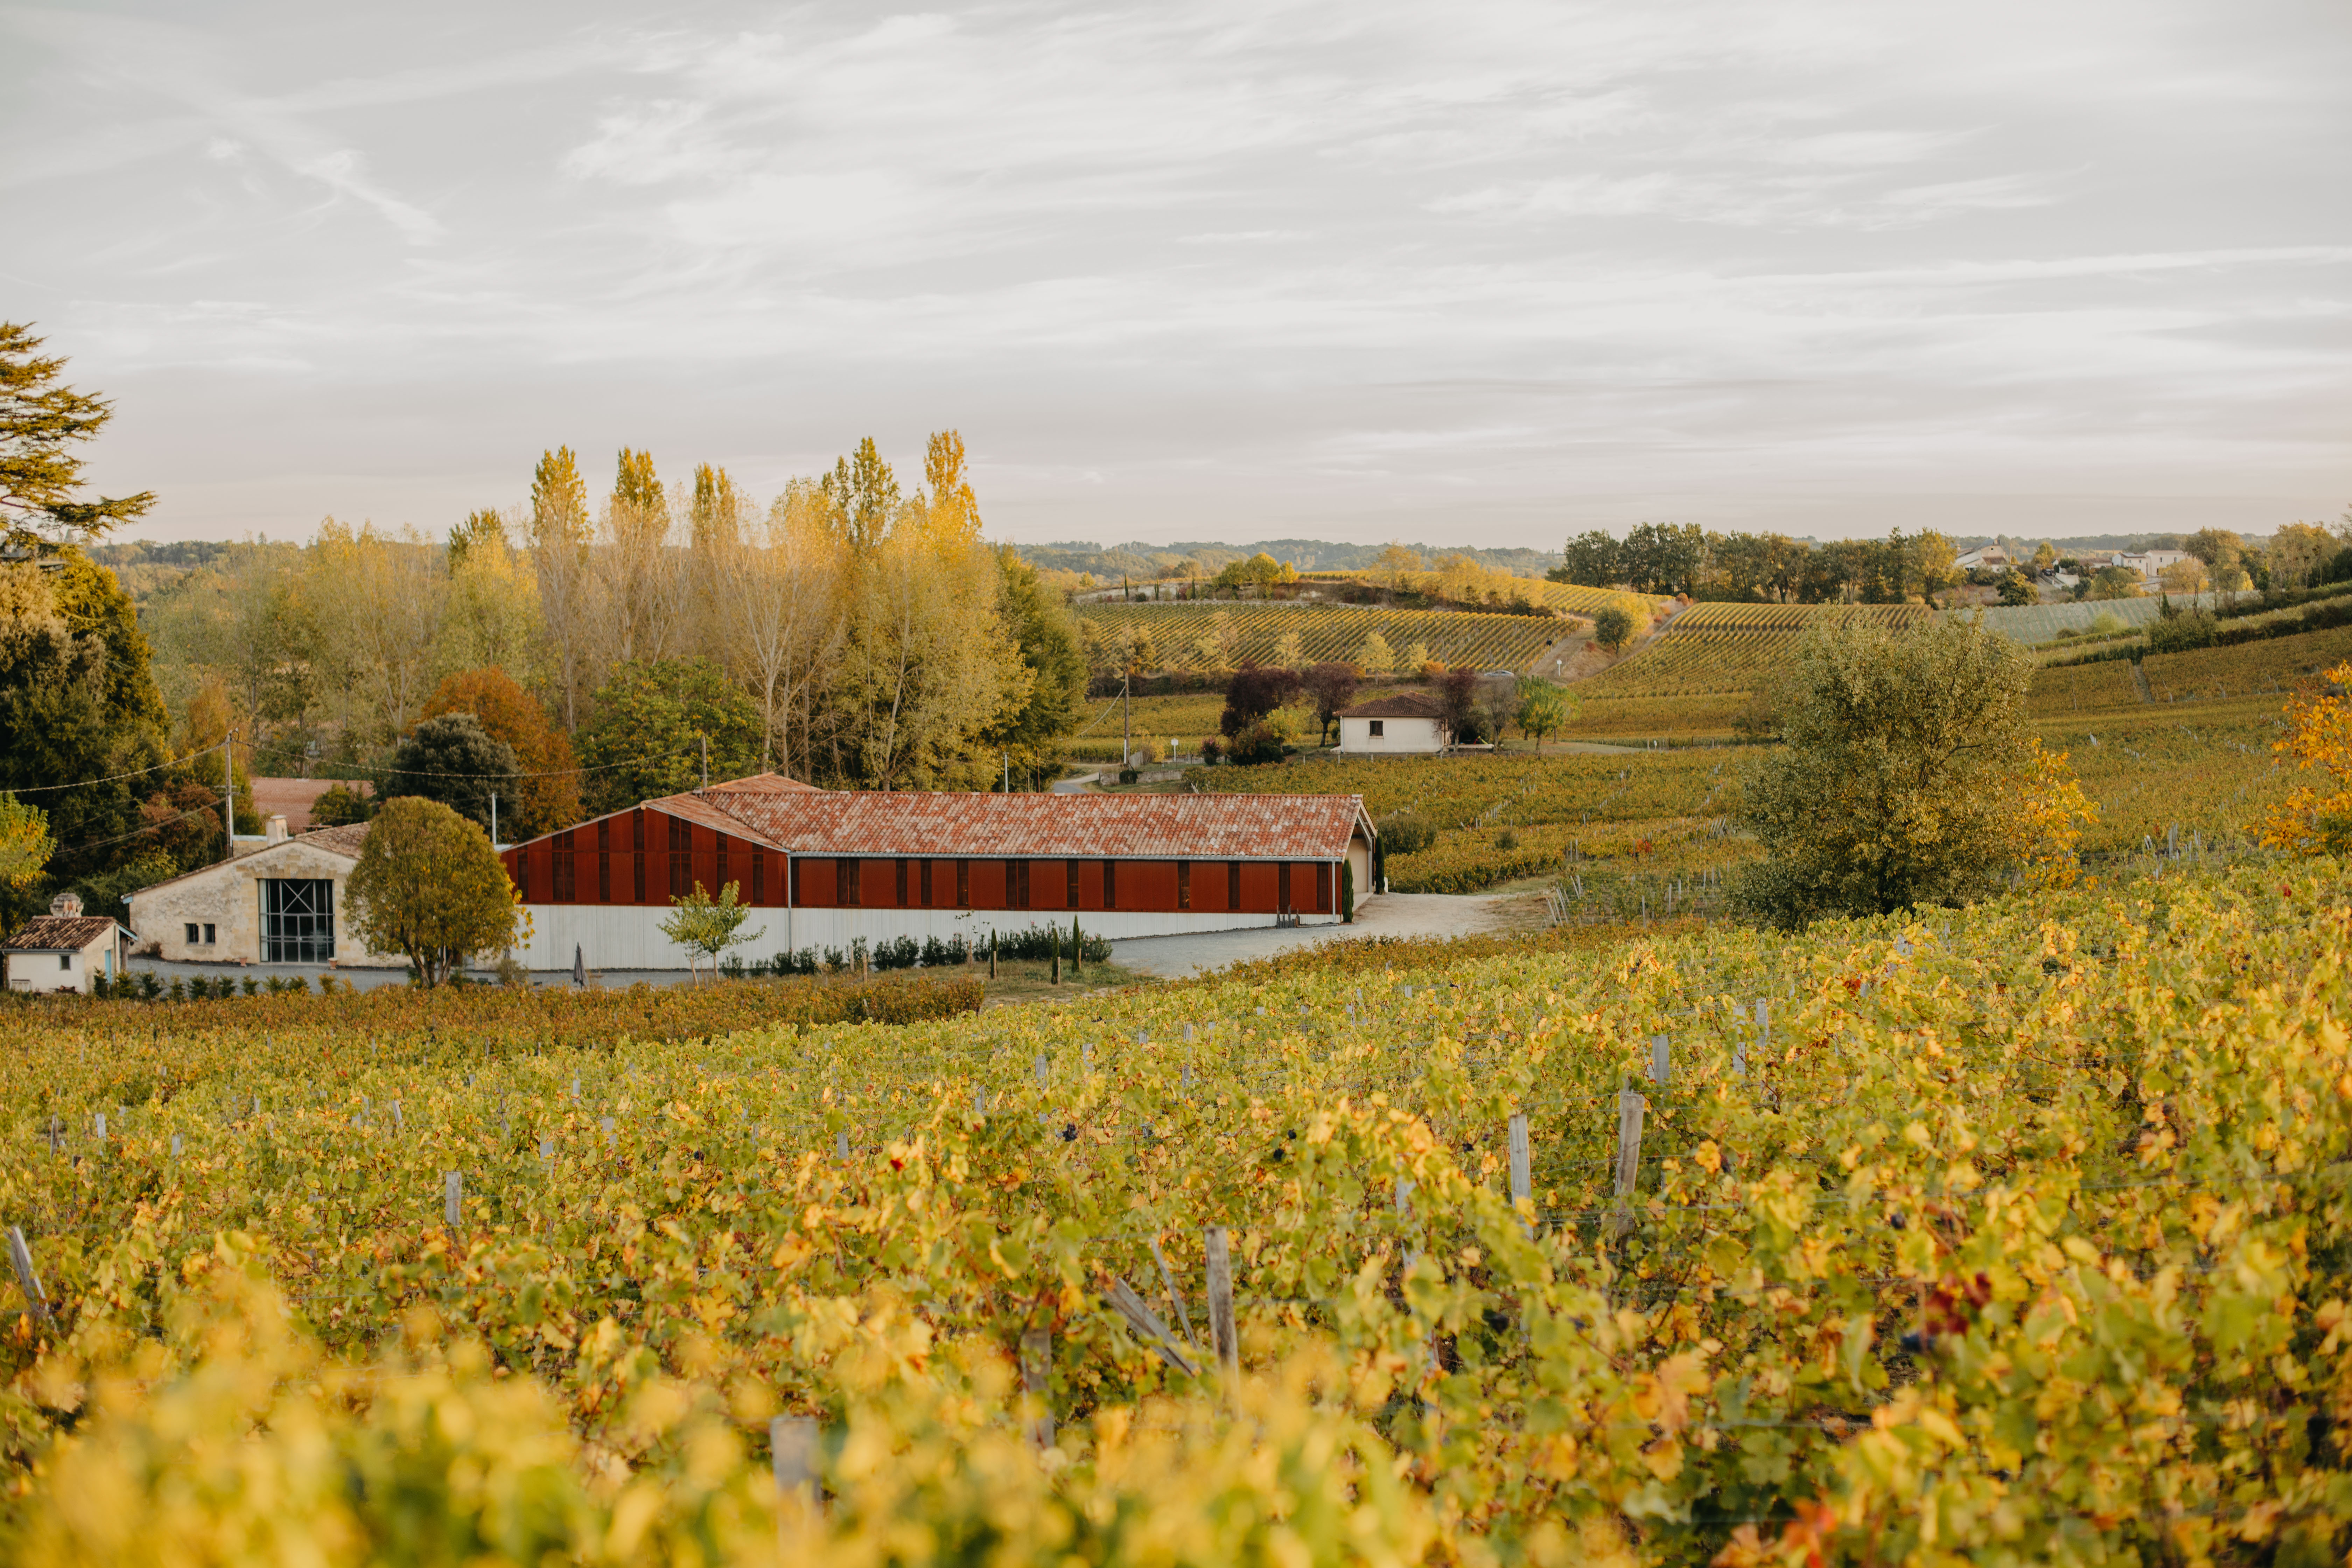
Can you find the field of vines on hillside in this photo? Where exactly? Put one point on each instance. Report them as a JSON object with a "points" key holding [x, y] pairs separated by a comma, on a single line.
{"points": [[1715, 648], [1331, 632], [2015, 1234]]}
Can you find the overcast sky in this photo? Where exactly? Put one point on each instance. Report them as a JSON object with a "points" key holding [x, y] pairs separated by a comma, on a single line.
{"points": [[1466, 273]]}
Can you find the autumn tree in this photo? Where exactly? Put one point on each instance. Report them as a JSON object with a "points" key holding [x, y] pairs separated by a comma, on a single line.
{"points": [[2317, 819], [1905, 753], [26, 843], [429, 887], [1611, 629], [377, 598], [547, 787], [560, 534], [42, 420], [1457, 705]]}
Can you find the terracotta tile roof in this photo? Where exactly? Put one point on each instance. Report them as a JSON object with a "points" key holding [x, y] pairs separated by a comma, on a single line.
{"points": [[1400, 705], [344, 841], [347, 840], [1049, 826], [293, 798], [58, 933]]}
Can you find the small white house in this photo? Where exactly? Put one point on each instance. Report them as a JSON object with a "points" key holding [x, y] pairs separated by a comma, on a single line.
{"points": [[1985, 557], [1406, 724], [64, 950]]}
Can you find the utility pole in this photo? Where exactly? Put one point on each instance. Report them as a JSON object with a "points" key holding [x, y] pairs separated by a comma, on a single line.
{"points": [[494, 819], [706, 759], [1007, 755], [1126, 717], [229, 798]]}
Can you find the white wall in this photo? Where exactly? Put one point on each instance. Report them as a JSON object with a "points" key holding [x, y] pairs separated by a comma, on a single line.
{"points": [[227, 896], [39, 971], [1402, 736], [628, 936]]}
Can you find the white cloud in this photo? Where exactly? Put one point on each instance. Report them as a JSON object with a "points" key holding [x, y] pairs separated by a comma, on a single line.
{"points": [[1494, 266]]}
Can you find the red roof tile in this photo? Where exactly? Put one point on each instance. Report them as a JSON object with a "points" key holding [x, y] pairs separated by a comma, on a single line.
{"points": [[1049, 826]]}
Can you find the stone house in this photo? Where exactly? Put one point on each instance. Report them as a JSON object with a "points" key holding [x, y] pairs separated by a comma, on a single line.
{"points": [[280, 903]]}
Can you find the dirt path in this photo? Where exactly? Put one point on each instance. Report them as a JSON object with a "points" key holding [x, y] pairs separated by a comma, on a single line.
{"points": [[1572, 660]]}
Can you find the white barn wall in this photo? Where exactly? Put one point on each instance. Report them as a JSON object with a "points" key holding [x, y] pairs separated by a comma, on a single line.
{"points": [[1401, 737], [628, 936]]}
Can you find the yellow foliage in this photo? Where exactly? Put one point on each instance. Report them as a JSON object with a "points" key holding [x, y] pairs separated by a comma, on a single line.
{"points": [[2315, 821], [2055, 811]]}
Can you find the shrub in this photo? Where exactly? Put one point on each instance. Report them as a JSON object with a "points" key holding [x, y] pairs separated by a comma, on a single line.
{"points": [[1406, 833], [1611, 628]]}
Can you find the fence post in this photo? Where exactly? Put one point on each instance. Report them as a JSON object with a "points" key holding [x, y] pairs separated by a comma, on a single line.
{"points": [[1036, 1368], [1223, 1337], [1041, 1069], [20, 1257], [1630, 1107], [1522, 1184], [1183, 1318], [1660, 1059], [792, 1457], [841, 1145], [453, 1194]]}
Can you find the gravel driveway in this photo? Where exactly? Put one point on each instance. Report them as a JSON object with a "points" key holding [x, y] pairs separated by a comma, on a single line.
{"points": [[1391, 914]]}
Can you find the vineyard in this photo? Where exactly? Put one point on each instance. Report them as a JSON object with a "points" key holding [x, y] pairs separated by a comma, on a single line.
{"points": [[1328, 632], [2036, 624], [1714, 649], [2008, 1235]]}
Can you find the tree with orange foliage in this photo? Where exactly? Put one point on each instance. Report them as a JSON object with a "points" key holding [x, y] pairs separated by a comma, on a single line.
{"points": [[549, 790], [2319, 735]]}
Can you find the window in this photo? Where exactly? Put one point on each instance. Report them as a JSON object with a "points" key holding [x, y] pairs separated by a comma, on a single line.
{"points": [[1323, 888], [902, 884], [1380, 728], [1016, 884], [845, 883], [1070, 898], [563, 888], [522, 872], [963, 884], [791, 882], [681, 858], [1232, 884], [209, 938], [604, 859], [759, 877], [1110, 884], [1183, 884], [195, 933], [298, 920], [718, 878], [637, 827], [1282, 887], [65, 960]]}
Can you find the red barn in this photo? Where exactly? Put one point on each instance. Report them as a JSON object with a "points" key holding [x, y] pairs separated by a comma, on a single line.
{"points": [[825, 868]]}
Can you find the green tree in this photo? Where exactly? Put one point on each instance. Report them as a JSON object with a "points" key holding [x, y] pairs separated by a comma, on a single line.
{"points": [[1545, 707], [79, 706], [428, 885], [1905, 753], [707, 927], [1611, 627], [452, 759], [651, 720], [1048, 639], [2106, 583], [41, 421]]}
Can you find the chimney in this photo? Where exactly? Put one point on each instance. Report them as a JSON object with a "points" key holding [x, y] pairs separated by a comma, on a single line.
{"points": [[65, 904], [275, 832]]}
